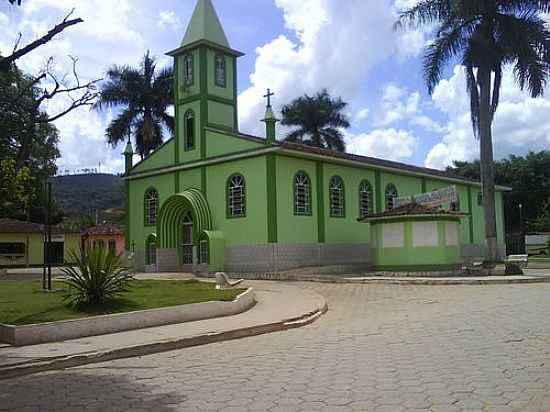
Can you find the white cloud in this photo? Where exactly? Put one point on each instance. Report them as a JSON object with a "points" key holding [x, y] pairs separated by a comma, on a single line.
{"points": [[521, 122], [169, 18], [362, 114], [337, 48], [389, 144]]}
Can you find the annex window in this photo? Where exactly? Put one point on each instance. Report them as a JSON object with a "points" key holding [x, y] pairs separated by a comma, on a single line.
{"points": [[302, 194], [15, 249], [337, 197], [151, 250], [220, 74], [391, 196], [188, 69], [236, 196], [151, 207], [189, 130], [365, 198]]}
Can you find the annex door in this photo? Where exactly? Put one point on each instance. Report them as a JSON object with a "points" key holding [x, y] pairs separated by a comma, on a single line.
{"points": [[187, 239]]}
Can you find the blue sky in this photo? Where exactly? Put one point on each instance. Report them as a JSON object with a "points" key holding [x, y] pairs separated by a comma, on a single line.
{"points": [[293, 47]]}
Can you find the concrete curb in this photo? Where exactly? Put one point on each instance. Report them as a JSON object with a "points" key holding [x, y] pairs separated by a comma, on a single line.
{"points": [[427, 281], [121, 322], [56, 363]]}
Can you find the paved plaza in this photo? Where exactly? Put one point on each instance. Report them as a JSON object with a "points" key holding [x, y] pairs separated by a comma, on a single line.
{"points": [[379, 348]]}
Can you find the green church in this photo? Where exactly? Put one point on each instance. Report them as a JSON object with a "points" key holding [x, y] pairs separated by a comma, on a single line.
{"points": [[213, 199]]}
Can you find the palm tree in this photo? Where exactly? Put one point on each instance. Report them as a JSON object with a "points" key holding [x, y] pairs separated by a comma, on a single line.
{"points": [[485, 36], [145, 97], [319, 120]]}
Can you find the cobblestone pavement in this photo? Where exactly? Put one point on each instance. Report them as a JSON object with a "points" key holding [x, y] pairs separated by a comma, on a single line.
{"points": [[379, 348]]}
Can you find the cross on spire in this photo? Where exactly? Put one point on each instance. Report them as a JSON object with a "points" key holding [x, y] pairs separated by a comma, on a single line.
{"points": [[268, 96]]}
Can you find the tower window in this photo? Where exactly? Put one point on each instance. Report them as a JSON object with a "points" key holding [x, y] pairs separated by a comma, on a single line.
{"points": [[479, 199], [302, 194], [220, 70], [236, 196], [365, 198], [391, 196], [337, 197], [151, 207], [188, 69], [189, 130]]}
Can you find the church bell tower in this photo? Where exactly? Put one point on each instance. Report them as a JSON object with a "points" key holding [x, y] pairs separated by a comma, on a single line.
{"points": [[205, 71]]}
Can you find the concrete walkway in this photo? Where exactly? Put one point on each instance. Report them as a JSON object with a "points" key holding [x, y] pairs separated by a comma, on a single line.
{"points": [[279, 307]]}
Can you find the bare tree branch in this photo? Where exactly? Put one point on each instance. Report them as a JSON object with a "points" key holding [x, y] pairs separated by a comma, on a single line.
{"points": [[5, 62]]}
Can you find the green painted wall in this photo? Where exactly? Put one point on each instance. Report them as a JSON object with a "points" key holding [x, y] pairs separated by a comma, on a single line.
{"points": [[347, 229], [291, 228], [409, 256], [165, 185], [162, 157], [248, 230], [185, 91], [220, 114], [195, 154], [223, 92], [218, 144], [406, 185]]}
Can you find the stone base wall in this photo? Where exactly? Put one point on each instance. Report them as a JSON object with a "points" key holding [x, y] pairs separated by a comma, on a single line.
{"points": [[168, 260], [476, 252], [276, 258]]}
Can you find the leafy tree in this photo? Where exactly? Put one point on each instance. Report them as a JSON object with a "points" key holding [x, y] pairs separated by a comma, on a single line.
{"points": [[529, 178], [28, 144], [16, 189], [318, 121], [144, 97], [485, 36]]}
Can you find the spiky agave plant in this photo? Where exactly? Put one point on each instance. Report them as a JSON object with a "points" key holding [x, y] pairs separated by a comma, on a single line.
{"points": [[96, 277]]}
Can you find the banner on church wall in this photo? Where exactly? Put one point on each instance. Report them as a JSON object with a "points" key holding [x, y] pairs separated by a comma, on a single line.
{"points": [[432, 199]]}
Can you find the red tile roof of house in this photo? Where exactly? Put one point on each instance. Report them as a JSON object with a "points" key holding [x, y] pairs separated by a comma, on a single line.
{"points": [[107, 229], [412, 209], [18, 226]]}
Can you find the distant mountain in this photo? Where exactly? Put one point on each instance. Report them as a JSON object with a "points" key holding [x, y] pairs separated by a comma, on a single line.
{"points": [[85, 198]]}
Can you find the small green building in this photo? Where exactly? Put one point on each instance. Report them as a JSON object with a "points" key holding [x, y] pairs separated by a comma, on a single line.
{"points": [[214, 198]]}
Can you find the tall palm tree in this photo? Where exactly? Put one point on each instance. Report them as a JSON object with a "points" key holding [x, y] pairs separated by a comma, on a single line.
{"points": [[144, 97], [319, 120], [484, 36]]}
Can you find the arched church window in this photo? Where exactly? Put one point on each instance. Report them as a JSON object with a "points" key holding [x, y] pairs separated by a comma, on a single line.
{"points": [[302, 194], [189, 130], [220, 70], [151, 207], [188, 69], [151, 250], [365, 198], [236, 196], [337, 197], [391, 196]]}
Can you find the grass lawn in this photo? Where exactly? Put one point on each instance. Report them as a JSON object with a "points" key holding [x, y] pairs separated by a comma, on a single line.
{"points": [[23, 303]]}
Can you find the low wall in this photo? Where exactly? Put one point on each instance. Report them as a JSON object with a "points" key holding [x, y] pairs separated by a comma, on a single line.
{"points": [[101, 325], [276, 258]]}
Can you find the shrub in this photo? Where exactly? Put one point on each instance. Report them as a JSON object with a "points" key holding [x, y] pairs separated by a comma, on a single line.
{"points": [[98, 276]]}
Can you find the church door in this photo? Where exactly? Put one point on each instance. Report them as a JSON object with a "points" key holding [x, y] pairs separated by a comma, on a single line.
{"points": [[187, 239]]}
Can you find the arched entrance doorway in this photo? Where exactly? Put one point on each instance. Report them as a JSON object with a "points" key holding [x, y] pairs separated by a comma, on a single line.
{"points": [[182, 218]]}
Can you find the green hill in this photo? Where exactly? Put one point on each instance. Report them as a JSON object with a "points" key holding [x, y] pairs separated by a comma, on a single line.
{"points": [[83, 198]]}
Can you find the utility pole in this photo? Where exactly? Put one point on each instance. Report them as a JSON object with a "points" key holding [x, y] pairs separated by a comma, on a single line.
{"points": [[49, 217]]}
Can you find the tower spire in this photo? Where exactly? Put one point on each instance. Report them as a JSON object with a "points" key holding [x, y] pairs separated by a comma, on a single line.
{"points": [[270, 120], [205, 25]]}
